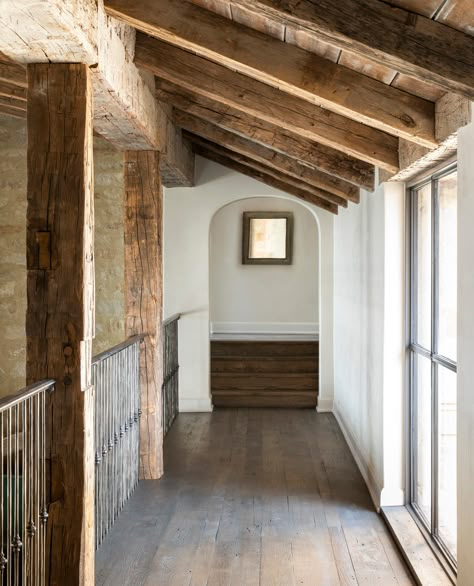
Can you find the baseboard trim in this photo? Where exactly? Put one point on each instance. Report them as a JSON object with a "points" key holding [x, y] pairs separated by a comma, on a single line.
{"points": [[325, 405], [195, 405], [373, 486], [264, 331]]}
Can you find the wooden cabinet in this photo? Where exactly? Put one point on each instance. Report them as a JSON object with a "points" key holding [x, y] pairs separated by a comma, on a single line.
{"points": [[264, 374]]}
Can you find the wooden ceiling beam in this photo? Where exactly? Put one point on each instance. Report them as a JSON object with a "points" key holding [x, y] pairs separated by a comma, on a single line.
{"points": [[294, 70], [12, 107], [13, 73], [266, 178], [231, 89], [126, 112], [410, 43], [269, 170], [303, 151], [266, 156]]}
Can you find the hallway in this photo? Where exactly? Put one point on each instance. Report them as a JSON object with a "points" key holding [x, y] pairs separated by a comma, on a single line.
{"points": [[252, 497]]}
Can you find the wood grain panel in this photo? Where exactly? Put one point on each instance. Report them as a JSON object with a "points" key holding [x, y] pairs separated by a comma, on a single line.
{"points": [[60, 304], [283, 399], [264, 374], [265, 364], [143, 232]]}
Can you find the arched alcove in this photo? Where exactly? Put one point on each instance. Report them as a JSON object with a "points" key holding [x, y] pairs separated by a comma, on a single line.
{"points": [[263, 300], [188, 215]]}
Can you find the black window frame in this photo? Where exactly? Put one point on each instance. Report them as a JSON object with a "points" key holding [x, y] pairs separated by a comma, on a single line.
{"points": [[429, 528]]}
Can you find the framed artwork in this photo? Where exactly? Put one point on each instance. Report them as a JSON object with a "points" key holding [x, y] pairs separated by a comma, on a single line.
{"points": [[267, 238]]}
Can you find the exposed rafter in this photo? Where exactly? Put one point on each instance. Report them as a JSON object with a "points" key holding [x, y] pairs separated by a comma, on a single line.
{"points": [[266, 156], [410, 43], [272, 171], [209, 80], [267, 179], [305, 152], [281, 65]]}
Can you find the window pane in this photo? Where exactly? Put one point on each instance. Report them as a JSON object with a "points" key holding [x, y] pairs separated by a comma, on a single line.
{"points": [[447, 403], [447, 190], [422, 435], [423, 263]]}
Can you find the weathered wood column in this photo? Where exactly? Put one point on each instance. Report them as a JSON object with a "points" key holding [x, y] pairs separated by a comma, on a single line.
{"points": [[60, 312], [143, 211]]}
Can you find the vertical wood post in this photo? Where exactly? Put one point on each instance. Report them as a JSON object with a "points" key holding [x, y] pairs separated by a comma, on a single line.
{"points": [[60, 311], [143, 211]]}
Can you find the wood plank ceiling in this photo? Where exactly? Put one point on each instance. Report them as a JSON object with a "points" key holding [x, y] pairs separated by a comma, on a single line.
{"points": [[299, 94]]}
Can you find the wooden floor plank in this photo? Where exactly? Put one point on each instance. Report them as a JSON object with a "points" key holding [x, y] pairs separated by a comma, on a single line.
{"points": [[252, 497]]}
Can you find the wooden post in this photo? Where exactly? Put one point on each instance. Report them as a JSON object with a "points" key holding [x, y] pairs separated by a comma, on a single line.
{"points": [[143, 211], [60, 312]]}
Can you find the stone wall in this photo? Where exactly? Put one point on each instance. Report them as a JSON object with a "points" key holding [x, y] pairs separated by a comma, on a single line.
{"points": [[109, 259], [108, 250], [12, 253]]}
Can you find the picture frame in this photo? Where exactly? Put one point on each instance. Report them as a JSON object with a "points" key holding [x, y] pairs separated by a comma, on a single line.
{"points": [[267, 238]]}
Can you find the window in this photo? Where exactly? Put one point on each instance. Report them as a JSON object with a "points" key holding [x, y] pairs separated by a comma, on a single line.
{"points": [[432, 349]]}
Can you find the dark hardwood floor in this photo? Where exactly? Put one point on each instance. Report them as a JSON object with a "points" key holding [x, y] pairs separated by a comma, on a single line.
{"points": [[252, 497]]}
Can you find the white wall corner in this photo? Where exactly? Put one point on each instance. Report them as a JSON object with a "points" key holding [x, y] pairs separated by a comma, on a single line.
{"points": [[325, 405], [373, 485], [195, 405], [392, 497]]}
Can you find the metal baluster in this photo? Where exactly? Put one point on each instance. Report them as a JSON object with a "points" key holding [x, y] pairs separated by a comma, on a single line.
{"points": [[4, 539], [39, 560], [44, 495]]}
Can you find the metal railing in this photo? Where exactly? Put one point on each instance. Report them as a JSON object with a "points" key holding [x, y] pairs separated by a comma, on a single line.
{"points": [[170, 388], [24, 499], [116, 378]]}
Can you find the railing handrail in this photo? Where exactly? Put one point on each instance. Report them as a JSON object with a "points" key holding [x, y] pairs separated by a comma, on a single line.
{"points": [[26, 393], [171, 319], [118, 348]]}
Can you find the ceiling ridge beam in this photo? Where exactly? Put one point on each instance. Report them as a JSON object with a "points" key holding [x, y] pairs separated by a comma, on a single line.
{"points": [[294, 70]]}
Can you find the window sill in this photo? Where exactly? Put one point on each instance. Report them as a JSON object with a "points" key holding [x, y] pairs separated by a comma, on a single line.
{"points": [[424, 564]]}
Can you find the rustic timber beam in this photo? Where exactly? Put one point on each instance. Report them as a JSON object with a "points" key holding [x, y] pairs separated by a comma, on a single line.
{"points": [[176, 157], [262, 154], [266, 178], [125, 109], [291, 180], [212, 81], [410, 43], [143, 234], [13, 107], [281, 65], [60, 304], [303, 151], [452, 113], [13, 73]]}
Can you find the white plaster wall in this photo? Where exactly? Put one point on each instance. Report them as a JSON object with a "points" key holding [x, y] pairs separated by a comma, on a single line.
{"points": [[188, 213], [263, 299], [369, 337], [465, 355]]}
